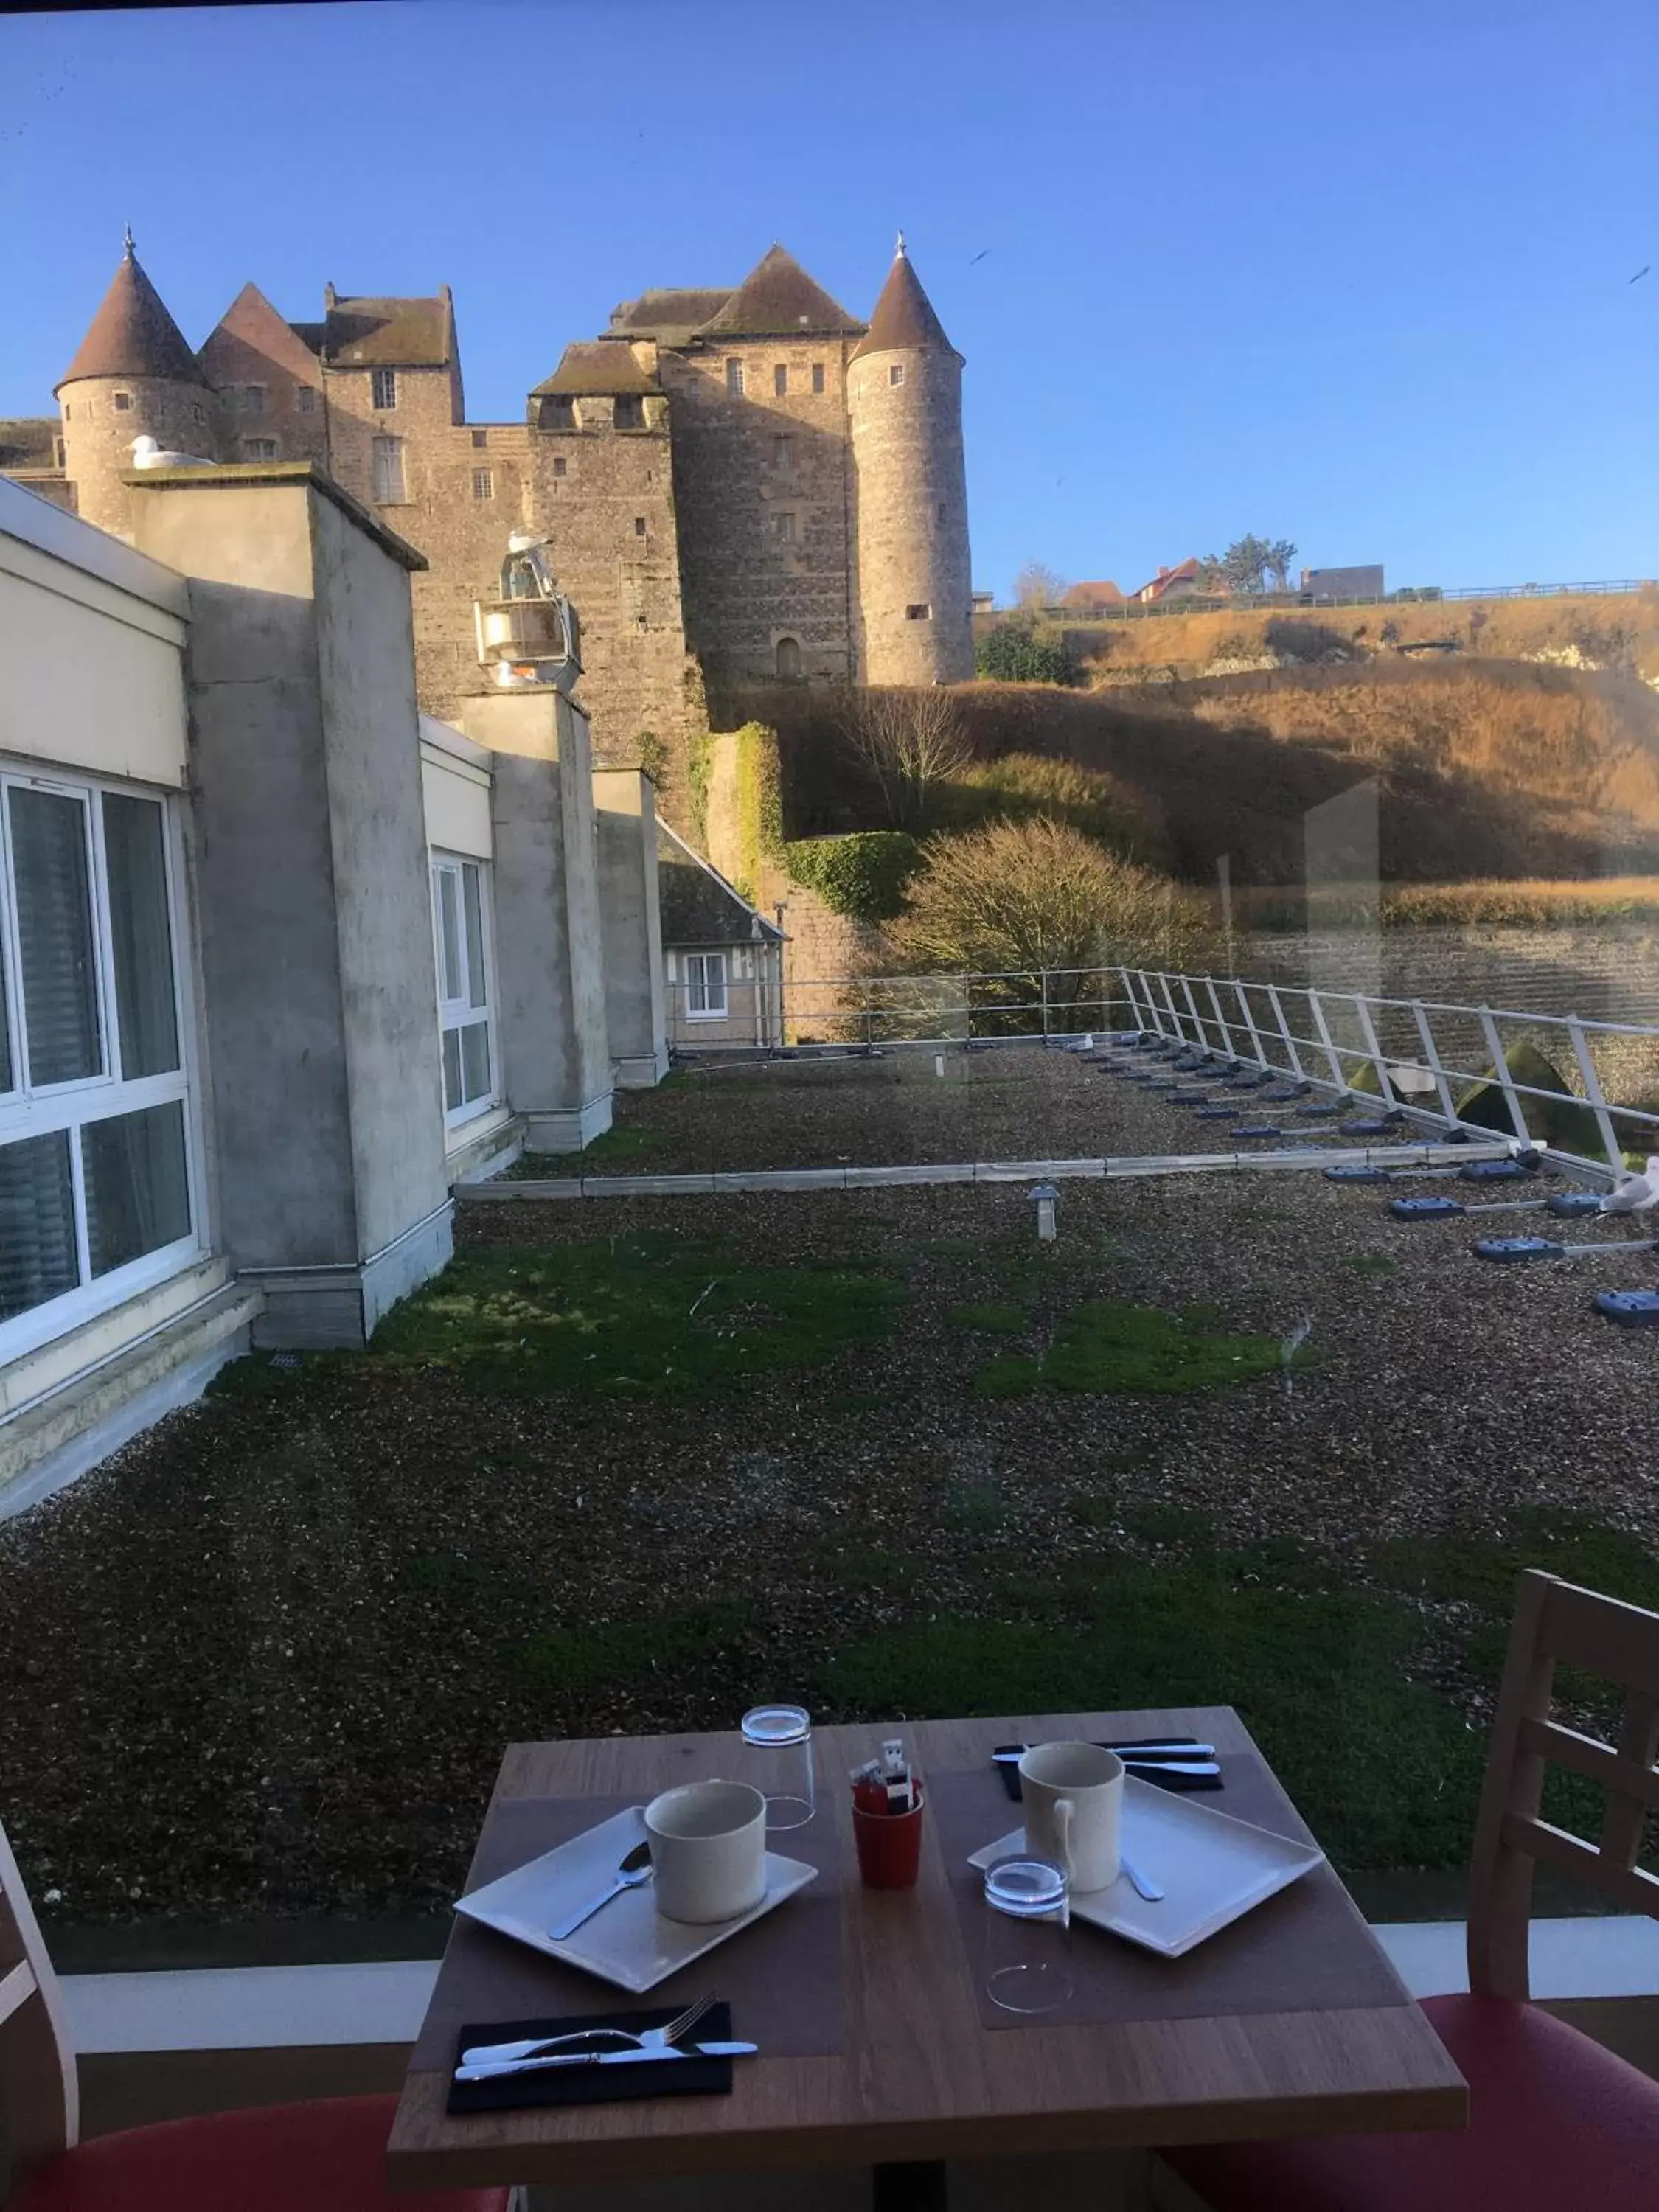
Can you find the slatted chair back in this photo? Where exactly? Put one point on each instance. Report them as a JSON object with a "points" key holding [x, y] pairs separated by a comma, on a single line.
{"points": [[1557, 1624], [39, 2107]]}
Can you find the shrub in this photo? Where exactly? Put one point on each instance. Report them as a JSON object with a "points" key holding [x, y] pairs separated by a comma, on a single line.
{"points": [[1021, 786], [1018, 897], [907, 741], [862, 876], [1015, 652]]}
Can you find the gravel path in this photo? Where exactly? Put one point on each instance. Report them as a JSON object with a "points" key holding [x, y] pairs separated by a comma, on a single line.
{"points": [[264, 1661]]}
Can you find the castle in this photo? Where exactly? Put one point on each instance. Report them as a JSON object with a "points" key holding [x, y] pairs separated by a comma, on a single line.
{"points": [[736, 486]]}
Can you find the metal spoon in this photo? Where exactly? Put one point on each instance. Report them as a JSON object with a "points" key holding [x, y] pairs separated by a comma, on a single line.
{"points": [[634, 1871]]}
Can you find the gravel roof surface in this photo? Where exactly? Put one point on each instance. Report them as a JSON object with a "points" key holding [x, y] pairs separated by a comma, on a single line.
{"points": [[263, 1661], [1016, 1101]]}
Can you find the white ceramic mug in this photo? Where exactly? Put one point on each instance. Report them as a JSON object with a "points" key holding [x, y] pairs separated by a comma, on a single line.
{"points": [[707, 1850], [1073, 1798]]}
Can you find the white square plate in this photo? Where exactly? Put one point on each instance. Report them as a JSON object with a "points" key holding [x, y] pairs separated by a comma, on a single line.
{"points": [[626, 1941], [1211, 1868]]}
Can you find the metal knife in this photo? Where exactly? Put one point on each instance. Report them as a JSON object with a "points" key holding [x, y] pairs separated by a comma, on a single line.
{"points": [[504, 2067], [1150, 1753]]}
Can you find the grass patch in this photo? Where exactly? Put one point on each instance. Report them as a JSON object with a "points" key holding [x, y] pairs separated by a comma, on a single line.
{"points": [[625, 1653], [1105, 1346], [1376, 1264], [634, 1316], [1384, 1768], [976, 1508], [623, 1143], [992, 1318]]}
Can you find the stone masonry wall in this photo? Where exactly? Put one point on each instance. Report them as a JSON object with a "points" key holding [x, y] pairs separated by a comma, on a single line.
{"points": [[763, 491], [911, 504], [98, 437]]}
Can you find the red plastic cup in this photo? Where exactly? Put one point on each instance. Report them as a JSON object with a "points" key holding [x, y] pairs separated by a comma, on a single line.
{"points": [[890, 1845]]}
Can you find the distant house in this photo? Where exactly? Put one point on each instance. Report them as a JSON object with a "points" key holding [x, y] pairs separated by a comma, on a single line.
{"points": [[723, 960], [1177, 583], [1092, 599], [983, 603], [1361, 582]]}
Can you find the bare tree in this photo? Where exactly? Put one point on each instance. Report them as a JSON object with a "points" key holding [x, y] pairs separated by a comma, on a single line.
{"points": [[907, 741], [1037, 585], [1280, 554]]}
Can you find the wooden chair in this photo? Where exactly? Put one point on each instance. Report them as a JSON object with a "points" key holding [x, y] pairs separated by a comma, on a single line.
{"points": [[323, 2157], [1554, 2119]]}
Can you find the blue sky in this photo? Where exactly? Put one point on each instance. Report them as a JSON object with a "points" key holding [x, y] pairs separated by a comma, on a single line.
{"points": [[1356, 277]]}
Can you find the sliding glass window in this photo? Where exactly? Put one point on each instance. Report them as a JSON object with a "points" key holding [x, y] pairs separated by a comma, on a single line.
{"points": [[461, 926], [98, 1172]]}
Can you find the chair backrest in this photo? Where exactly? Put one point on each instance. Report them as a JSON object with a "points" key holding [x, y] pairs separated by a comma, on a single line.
{"points": [[1556, 1623], [39, 2101]]}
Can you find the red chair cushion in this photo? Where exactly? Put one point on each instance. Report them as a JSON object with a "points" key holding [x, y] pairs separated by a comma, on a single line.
{"points": [[1554, 2121], [324, 2157]]}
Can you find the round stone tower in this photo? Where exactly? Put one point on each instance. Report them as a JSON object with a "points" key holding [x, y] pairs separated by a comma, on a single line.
{"points": [[904, 405], [133, 374]]}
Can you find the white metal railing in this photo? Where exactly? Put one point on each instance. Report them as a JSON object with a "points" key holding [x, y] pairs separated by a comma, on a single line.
{"points": [[1333, 1038]]}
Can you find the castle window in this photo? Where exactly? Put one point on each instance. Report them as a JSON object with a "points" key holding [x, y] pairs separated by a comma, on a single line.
{"points": [[384, 384], [196, 412], [920, 612], [896, 372], [483, 484], [780, 380], [734, 379], [558, 465], [788, 657], [123, 402], [259, 449], [639, 525], [783, 528], [480, 441], [630, 412], [68, 410], [305, 399], [558, 412], [387, 463], [818, 376], [783, 453], [941, 510]]}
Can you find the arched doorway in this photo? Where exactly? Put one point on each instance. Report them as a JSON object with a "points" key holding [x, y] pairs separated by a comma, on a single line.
{"points": [[788, 656]]}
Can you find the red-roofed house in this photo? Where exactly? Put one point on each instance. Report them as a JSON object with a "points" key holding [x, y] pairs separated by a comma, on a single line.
{"points": [[1087, 598], [1178, 583]]}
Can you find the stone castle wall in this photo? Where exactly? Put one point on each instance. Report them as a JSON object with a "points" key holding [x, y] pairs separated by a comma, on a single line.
{"points": [[911, 504], [98, 437], [762, 488]]}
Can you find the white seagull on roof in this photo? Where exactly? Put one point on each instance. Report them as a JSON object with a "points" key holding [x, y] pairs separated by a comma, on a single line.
{"points": [[1635, 1194], [148, 454]]}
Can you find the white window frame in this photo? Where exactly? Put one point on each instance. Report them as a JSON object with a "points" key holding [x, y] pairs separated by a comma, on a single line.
{"points": [[457, 1010], [896, 372], [483, 484], [737, 377], [305, 399], [274, 454], [383, 389], [43, 1110], [704, 973], [382, 442]]}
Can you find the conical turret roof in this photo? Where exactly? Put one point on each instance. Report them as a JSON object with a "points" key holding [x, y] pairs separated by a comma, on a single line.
{"points": [[778, 299], [132, 333], [904, 319]]}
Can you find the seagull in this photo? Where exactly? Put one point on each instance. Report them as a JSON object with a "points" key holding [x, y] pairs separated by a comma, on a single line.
{"points": [[147, 454], [1635, 1194], [985, 250], [1641, 273]]}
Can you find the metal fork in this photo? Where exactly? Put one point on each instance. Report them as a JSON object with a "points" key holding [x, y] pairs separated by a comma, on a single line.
{"points": [[646, 2039]]}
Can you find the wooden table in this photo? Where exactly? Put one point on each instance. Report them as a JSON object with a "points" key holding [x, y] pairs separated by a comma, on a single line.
{"points": [[918, 2075]]}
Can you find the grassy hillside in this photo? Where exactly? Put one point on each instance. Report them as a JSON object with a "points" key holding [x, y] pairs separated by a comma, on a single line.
{"points": [[1617, 631], [1488, 770]]}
